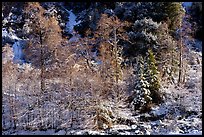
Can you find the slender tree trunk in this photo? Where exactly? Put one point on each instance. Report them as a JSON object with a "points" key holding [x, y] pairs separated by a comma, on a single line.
{"points": [[116, 59], [172, 64], [28, 122], [180, 58], [3, 115], [42, 78], [53, 118], [14, 109], [10, 110], [180, 66], [71, 110]]}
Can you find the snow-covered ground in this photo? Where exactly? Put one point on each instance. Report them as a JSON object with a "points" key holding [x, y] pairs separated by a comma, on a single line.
{"points": [[179, 114]]}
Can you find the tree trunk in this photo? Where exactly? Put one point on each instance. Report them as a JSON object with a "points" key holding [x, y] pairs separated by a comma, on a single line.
{"points": [[180, 58], [42, 78], [14, 109]]}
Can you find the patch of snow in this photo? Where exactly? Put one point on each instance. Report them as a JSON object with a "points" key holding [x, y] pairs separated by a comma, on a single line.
{"points": [[174, 133], [83, 132], [61, 132], [194, 132], [145, 126], [156, 123], [178, 133], [137, 131], [8, 94], [121, 127], [11, 35], [72, 21], [18, 52], [198, 45], [4, 32], [147, 132], [71, 132], [27, 132], [159, 110], [134, 126], [124, 133], [70, 25], [75, 37], [95, 133], [187, 4]]}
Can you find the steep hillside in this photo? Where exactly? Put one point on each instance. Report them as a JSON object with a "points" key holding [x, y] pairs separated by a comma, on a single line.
{"points": [[101, 68]]}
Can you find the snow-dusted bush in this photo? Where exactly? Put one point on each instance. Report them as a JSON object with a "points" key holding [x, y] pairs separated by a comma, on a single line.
{"points": [[103, 116]]}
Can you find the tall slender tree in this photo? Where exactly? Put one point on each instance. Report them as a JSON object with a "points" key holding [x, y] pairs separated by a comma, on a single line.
{"points": [[180, 33], [45, 37], [152, 76]]}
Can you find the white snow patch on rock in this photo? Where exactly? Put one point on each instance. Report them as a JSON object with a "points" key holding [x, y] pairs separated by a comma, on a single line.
{"points": [[121, 127], [72, 21], [17, 49]]}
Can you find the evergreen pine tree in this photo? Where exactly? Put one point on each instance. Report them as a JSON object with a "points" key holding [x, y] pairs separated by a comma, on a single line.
{"points": [[142, 36], [141, 92], [151, 75]]}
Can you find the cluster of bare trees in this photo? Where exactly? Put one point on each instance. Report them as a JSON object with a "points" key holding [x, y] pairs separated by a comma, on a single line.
{"points": [[60, 87]]}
